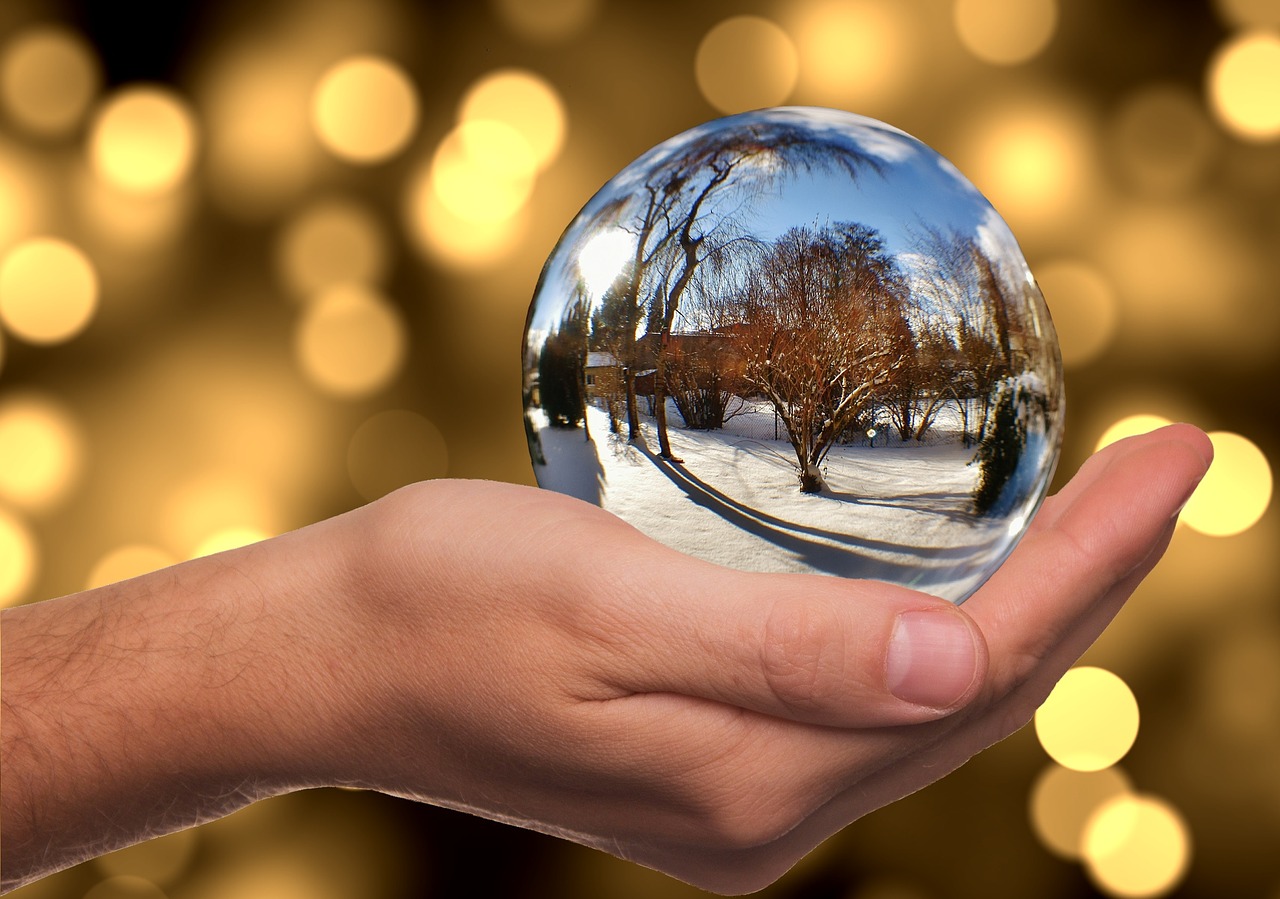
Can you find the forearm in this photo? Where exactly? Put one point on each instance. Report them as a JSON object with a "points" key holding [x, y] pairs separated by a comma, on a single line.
{"points": [[147, 706]]}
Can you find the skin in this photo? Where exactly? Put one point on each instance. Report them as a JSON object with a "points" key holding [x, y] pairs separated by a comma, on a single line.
{"points": [[526, 657]]}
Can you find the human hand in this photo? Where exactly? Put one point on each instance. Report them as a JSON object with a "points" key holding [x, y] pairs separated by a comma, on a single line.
{"points": [[535, 660]]}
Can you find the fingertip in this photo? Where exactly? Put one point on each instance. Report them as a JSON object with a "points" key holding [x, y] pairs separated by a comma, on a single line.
{"points": [[937, 658]]}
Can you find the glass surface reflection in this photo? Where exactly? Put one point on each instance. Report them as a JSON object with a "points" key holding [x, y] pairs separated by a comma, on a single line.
{"points": [[798, 340]]}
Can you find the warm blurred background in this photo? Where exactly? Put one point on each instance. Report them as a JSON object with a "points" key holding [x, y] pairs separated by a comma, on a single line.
{"points": [[262, 260]]}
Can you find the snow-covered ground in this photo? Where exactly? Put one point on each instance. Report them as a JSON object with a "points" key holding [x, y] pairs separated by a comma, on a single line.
{"points": [[895, 512]]}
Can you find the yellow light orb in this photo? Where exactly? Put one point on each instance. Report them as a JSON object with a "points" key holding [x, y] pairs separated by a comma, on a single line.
{"points": [[524, 101], [143, 140], [546, 20], [331, 242], [48, 290], [1005, 32], [1089, 721], [850, 51], [1083, 307], [48, 77], [213, 502], [1249, 13], [450, 239], [1242, 78], [1131, 426], [1162, 139], [160, 861], [19, 559], [483, 171], [126, 562], [1062, 801], [746, 62], [364, 109], [41, 452], [228, 538], [395, 448], [350, 342], [19, 196], [1136, 846], [1236, 490]]}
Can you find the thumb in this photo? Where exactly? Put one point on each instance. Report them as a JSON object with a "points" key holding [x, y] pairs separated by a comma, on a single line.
{"points": [[809, 648]]}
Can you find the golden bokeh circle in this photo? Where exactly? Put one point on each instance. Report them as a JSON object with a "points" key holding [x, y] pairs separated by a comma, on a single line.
{"points": [[125, 886], [524, 101], [331, 242], [1131, 426], [41, 452], [1242, 79], [128, 561], [746, 62], [450, 239], [364, 109], [48, 290], [1136, 846], [48, 78], [1161, 138], [483, 171], [350, 342], [1089, 721], [546, 20], [1062, 801], [1005, 32], [1083, 307], [19, 558], [1235, 491], [1249, 13], [160, 861], [143, 140], [395, 448]]}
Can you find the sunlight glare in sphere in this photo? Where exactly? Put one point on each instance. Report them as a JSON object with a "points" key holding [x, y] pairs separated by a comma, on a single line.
{"points": [[143, 140], [19, 559], [1005, 32], [351, 342], [1089, 721], [127, 561], [604, 258], [364, 109], [1062, 800], [746, 62], [48, 77], [1235, 491], [48, 290], [41, 452], [1242, 78], [1136, 846], [524, 101]]}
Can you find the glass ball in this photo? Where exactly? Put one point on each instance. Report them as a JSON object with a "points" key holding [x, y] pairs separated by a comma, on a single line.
{"points": [[798, 339]]}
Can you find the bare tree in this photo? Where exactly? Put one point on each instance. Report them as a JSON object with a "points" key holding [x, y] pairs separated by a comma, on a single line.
{"points": [[821, 329]]}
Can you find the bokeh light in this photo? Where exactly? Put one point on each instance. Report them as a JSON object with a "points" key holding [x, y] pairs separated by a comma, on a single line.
{"points": [[394, 448], [144, 140], [1083, 307], [1005, 32], [48, 78], [524, 101], [228, 538], [1131, 426], [350, 342], [125, 886], [451, 239], [365, 109], [546, 20], [1236, 490], [1162, 140], [214, 503], [160, 861], [330, 242], [1089, 721], [1136, 846], [19, 558], [41, 451], [1241, 83], [746, 62], [126, 562], [48, 290], [1063, 800], [19, 199], [851, 54], [483, 171], [1249, 13]]}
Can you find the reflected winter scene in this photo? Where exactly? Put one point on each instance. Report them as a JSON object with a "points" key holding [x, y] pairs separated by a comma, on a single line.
{"points": [[798, 340]]}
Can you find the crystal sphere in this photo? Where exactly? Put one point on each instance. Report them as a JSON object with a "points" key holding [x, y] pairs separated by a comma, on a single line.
{"points": [[798, 339]]}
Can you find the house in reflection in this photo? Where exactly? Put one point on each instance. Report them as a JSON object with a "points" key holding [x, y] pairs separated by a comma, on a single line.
{"points": [[603, 376]]}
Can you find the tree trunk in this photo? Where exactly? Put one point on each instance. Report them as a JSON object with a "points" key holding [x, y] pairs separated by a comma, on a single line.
{"points": [[811, 479], [633, 413]]}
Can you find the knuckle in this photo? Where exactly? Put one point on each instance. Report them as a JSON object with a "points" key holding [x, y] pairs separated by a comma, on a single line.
{"points": [[803, 655]]}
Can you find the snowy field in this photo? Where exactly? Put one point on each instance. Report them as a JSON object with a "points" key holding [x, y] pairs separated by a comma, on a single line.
{"points": [[895, 512]]}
